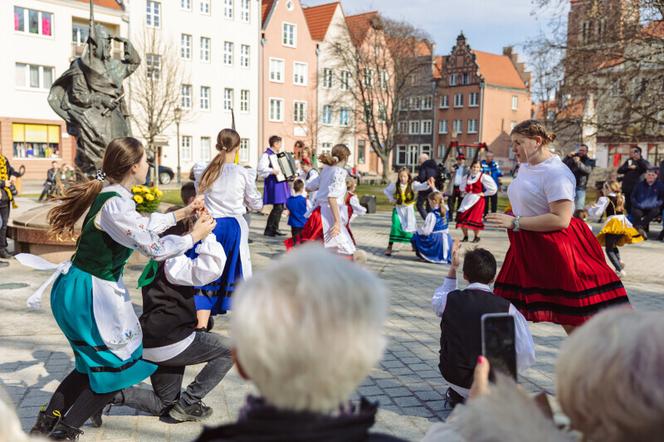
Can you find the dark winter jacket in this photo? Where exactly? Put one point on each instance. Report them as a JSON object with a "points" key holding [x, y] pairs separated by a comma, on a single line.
{"points": [[632, 176], [580, 169]]}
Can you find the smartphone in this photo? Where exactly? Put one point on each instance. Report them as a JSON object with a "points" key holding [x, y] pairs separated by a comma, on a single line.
{"points": [[499, 343]]}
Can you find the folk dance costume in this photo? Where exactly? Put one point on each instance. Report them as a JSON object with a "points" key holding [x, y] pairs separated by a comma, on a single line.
{"points": [[559, 276], [227, 201], [471, 211], [432, 242], [274, 192], [330, 184], [355, 209], [404, 223], [89, 300], [617, 230]]}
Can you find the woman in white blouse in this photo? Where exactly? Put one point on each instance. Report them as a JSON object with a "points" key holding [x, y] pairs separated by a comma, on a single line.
{"points": [[90, 302]]}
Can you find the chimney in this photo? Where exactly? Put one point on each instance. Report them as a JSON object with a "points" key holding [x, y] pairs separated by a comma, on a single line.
{"points": [[507, 50]]}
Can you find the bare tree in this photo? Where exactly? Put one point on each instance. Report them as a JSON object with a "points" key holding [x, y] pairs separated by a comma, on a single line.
{"points": [[379, 64], [156, 89]]}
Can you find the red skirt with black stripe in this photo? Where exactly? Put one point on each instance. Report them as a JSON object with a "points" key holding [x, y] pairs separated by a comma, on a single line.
{"points": [[559, 277], [472, 218]]}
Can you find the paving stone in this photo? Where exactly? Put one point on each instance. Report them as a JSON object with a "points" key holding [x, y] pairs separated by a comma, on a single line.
{"points": [[397, 392], [429, 395], [409, 401], [370, 391]]}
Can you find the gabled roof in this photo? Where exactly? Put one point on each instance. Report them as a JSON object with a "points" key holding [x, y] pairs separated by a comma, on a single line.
{"points": [[266, 7], [111, 4], [498, 70], [359, 25], [319, 19]]}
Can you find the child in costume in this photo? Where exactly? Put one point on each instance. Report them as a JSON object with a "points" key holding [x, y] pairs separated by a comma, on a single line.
{"points": [[298, 206], [90, 302], [229, 189], [476, 186], [403, 194], [617, 230], [355, 209], [432, 242]]}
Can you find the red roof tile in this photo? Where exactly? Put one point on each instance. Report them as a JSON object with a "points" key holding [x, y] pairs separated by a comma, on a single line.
{"points": [[498, 70], [266, 7], [111, 4], [654, 29], [359, 25], [319, 19]]}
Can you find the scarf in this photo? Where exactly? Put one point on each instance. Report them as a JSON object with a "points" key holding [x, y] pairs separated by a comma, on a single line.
{"points": [[9, 188]]}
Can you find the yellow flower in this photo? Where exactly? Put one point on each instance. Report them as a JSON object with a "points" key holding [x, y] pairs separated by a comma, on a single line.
{"points": [[138, 199], [149, 197], [158, 193], [135, 189]]}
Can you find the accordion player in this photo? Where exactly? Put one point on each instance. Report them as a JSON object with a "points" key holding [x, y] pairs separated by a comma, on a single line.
{"points": [[285, 164]]}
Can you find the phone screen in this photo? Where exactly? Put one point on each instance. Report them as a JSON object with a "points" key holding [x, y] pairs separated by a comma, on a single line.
{"points": [[498, 343]]}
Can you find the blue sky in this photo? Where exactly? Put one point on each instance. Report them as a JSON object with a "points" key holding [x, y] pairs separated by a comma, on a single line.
{"points": [[488, 24]]}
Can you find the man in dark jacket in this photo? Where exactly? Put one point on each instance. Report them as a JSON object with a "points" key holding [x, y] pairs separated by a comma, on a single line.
{"points": [[647, 201], [428, 169], [7, 193], [632, 172], [581, 166], [49, 184]]}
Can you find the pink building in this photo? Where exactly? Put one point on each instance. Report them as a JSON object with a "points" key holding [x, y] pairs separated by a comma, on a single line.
{"points": [[289, 66]]}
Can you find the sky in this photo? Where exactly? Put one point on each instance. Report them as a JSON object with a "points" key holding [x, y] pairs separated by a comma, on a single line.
{"points": [[488, 25]]}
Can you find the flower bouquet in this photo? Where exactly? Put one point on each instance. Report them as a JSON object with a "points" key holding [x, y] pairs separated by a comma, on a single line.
{"points": [[147, 198]]}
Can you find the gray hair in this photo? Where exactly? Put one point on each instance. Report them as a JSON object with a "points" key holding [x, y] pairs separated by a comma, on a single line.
{"points": [[609, 376], [309, 329]]}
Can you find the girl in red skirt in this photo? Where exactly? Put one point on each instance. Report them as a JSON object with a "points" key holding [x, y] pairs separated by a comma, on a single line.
{"points": [[476, 186], [554, 269]]}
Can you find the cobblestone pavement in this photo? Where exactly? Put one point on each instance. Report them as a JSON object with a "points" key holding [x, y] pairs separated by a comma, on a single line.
{"points": [[34, 355]]}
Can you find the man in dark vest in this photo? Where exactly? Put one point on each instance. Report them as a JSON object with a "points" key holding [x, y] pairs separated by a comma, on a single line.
{"points": [[461, 312]]}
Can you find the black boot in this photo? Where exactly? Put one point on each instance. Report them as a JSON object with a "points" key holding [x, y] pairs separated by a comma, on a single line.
{"points": [[63, 431], [45, 423]]}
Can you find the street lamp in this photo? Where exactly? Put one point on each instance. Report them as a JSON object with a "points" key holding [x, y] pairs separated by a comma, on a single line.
{"points": [[178, 116]]}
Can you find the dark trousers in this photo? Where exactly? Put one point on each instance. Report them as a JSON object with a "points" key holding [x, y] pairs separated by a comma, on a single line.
{"points": [[274, 218], [493, 202], [612, 251], [455, 200], [423, 203], [627, 192], [4, 214], [167, 380], [642, 217], [295, 231]]}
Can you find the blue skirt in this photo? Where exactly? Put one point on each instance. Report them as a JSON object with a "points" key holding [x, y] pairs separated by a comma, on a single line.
{"points": [[216, 296], [436, 248]]}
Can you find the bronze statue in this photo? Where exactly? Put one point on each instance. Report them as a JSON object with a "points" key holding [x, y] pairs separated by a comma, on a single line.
{"points": [[89, 96]]}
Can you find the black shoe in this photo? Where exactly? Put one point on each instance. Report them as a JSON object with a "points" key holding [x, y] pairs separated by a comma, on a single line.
{"points": [[96, 419], [452, 398], [270, 234], [642, 232], [279, 233], [45, 423], [476, 239], [4, 254], [250, 241], [465, 239], [195, 412], [63, 431]]}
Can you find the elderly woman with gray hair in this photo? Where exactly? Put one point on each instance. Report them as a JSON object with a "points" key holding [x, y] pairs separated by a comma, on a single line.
{"points": [[609, 385], [306, 332]]}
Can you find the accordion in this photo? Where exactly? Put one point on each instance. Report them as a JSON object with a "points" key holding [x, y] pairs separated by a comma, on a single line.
{"points": [[285, 164]]}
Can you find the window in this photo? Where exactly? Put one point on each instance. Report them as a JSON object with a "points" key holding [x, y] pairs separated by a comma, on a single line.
{"points": [[245, 10], [153, 13], [326, 148], [415, 103], [300, 73], [586, 31], [153, 65], [288, 35], [205, 7], [185, 148], [472, 126], [465, 78], [205, 97], [427, 102], [426, 127], [368, 77], [453, 80], [414, 126], [442, 127], [444, 102], [515, 102], [344, 116], [458, 100], [205, 49], [457, 127], [34, 76], [32, 21], [361, 149], [402, 127], [601, 29], [327, 114], [79, 33], [185, 4], [402, 155], [276, 70], [276, 109], [345, 80], [205, 149], [228, 99], [228, 9], [244, 149], [35, 140], [228, 53], [299, 111], [425, 149], [327, 78], [383, 79], [474, 99], [244, 100], [185, 46], [244, 56], [185, 96]]}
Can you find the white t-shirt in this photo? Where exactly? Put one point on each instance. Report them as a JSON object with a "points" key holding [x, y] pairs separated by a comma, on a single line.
{"points": [[536, 186]]}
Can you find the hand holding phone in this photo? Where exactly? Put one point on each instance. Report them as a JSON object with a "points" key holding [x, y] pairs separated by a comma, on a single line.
{"points": [[499, 343]]}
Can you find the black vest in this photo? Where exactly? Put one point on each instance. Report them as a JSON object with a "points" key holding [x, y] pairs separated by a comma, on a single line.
{"points": [[461, 332], [169, 312]]}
